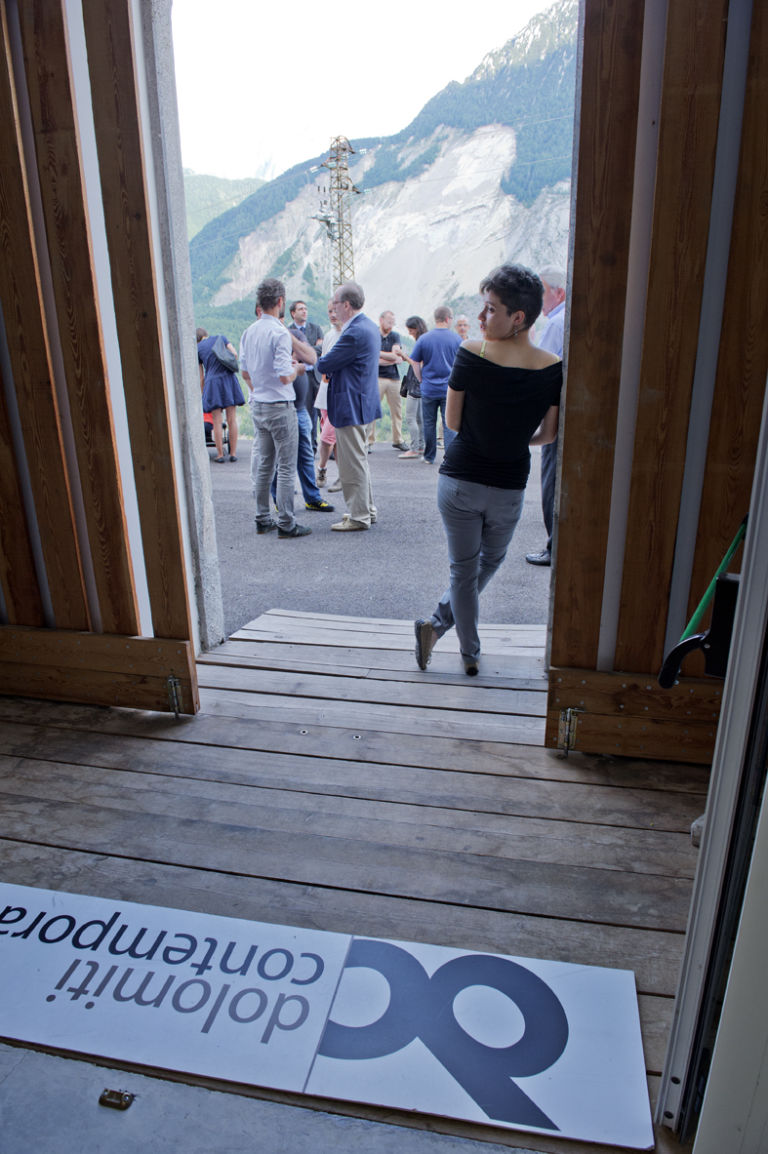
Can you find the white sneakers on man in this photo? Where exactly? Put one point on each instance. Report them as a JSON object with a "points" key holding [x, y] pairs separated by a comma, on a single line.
{"points": [[347, 525]]}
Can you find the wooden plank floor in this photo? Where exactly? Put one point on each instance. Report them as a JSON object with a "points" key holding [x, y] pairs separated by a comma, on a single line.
{"points": [[327, 782]]}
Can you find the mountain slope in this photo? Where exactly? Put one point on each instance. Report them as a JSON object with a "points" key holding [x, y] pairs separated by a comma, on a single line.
{"points": [[481, 175], [529, 85], [209, 196]]}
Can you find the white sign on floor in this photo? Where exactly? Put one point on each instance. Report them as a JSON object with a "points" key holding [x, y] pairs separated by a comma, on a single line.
{"points": [[529, 1045]]}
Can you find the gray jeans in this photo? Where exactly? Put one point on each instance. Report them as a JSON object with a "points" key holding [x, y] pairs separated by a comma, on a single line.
{"points": [[415, 423], [276, 445], [479, 521]]}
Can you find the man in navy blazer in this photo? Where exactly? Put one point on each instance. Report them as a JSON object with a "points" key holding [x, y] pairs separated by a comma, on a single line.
{"points": [[352, 368]]}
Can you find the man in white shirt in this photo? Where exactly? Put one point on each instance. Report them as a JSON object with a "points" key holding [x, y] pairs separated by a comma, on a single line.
{"points": [[268, 368], [552, 337]]}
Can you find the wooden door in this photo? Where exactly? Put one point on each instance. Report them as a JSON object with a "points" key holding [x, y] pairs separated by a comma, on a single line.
{"points": [[667, 352], [94, 610]]}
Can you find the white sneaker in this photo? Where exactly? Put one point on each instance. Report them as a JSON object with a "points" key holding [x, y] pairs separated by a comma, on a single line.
{"points": [[347, 525], [336, 487]]}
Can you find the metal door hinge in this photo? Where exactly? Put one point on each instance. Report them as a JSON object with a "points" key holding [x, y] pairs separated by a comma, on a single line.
{"points": [[566, 729], [117, 1099], [173, 686]]}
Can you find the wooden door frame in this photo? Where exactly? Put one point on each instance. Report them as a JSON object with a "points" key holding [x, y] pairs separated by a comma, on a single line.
{"points": [[639, 385], [105, 355]]}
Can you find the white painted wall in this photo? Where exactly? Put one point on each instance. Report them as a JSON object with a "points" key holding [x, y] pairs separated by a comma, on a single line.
{"points": [[734, 1117]]}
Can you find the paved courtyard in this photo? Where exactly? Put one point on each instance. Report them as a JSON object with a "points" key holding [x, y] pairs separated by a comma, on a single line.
{"points": [[398, 569]]}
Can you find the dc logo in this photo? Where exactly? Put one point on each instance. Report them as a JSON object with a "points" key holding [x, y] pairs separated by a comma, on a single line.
{"points": [[421, 1006]]}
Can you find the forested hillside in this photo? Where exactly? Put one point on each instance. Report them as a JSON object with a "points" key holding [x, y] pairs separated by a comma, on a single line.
{"points": [[209, 196]]}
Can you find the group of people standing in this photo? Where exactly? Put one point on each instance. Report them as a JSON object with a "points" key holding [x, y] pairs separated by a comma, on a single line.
{"points": [[425, 384], [495, 397]]}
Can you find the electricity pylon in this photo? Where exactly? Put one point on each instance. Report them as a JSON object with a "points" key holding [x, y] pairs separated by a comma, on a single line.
{"points": [[335, 210]]}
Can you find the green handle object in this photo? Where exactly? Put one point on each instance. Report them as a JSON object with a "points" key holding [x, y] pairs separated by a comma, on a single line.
{"points": [[693, 625]]}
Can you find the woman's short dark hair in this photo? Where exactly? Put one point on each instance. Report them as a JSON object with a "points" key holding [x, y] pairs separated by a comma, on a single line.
{"points": [[516, 287], [201, 335], [417, 323]]}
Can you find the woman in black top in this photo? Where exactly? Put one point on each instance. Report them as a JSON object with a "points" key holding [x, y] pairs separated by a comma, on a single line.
{"points": [[503, 395]]}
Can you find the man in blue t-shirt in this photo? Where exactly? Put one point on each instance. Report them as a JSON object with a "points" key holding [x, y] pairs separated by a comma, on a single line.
{"points": [[432, 357]]}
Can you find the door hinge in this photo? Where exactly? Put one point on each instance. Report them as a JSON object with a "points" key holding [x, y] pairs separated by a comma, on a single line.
{"points": [[566, 729], [173, 685]]}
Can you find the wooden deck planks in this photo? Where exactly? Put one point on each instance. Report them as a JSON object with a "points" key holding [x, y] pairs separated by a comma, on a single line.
{"points": [[319, 750], [382, 665], [383, 633], [380, 640], [653, 955], [215, 836], [429, 695], [507, 807], [333, 622], [394, 719], [429, 841], [364, 797]]}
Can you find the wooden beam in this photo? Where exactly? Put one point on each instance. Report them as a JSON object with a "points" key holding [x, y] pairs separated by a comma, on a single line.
{"points": [[112, 68], [743, 358], [49, 81], [629, 695], [635, 737], [29, 353], [627, 715], [690, 110], [96, 669], [18, 578], [605, 159]]}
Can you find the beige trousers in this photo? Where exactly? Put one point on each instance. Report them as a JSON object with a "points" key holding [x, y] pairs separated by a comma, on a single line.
{"points": [[354, 474], [389, 390]]}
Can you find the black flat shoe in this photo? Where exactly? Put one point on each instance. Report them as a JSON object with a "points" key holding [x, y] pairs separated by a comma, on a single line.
{"points": [[425, 642]]}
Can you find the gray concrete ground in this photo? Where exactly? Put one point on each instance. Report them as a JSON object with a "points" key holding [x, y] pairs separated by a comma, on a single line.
{"points": [[50, 1105], [398, 569]]}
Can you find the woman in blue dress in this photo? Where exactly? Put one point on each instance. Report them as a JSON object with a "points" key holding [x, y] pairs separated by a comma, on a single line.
{"points": [[221, 393]]}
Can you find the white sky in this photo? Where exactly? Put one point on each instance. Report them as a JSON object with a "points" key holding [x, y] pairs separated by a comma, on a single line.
{"points": [[298, 74]]}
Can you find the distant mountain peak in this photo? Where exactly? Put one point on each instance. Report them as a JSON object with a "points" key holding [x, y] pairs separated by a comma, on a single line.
{"points": [[547, 32]]}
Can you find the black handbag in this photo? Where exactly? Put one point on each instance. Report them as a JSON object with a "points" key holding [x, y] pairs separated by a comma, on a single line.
{"points": [[410, 386], [224, 356]]}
